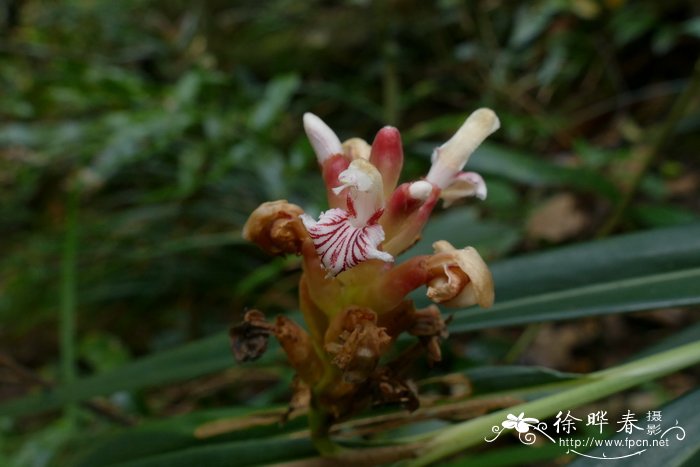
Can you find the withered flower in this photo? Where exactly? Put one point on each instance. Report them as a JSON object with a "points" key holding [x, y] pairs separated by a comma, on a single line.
{"points": [[275, 226], [249, 338], [352, 294]]}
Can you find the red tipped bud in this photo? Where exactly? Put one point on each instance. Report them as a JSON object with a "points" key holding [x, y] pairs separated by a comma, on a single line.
{"points": [[387, 156]]}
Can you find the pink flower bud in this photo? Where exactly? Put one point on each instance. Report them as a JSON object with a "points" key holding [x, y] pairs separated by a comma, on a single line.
{"points": [[387, 157]]}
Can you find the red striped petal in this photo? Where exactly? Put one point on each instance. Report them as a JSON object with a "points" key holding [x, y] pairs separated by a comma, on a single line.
{"points": [[340, 244]]}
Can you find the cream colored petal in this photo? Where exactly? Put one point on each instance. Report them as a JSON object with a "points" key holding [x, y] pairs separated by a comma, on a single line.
{"points": [[466, 184], [450, 158], [480, 287], [356, 148]]}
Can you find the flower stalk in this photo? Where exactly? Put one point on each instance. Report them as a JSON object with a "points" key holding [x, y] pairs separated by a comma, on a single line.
{"points": [[352, 294]]}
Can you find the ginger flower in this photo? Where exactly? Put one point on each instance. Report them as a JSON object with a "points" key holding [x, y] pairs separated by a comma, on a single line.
{"points": [[351, 293]]}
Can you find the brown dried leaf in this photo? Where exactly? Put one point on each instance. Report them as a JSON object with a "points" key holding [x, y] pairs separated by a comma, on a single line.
{"points": [[557, 219], [356, 343], [249, 338], [300, 351], [389, 389]]}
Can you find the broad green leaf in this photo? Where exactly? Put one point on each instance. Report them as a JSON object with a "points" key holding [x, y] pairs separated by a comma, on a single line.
{"points": [[488, 379], [189, 361], [186, 431], [657, 215], [683, 452], [616, 296], [509, 455], [242, 453], [616, 258]]}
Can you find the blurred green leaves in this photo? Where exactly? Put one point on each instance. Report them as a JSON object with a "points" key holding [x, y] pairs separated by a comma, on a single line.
{"points": [[641, 271], [180, 119]]}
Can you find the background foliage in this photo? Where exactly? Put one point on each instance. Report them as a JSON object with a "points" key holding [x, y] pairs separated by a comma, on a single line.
{"points": [[177, 119]]}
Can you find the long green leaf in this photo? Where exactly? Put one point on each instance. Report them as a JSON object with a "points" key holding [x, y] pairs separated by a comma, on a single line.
{"points": [[242, 453], [189, 361], [624, 256], [679, 453], [464, 435], [640, 293], [180, 433]]}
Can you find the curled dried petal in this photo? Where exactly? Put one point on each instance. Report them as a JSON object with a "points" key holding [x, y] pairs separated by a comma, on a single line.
{"points": [[249, 338], [390, 389], [275, 227], [428, 322], [356, 343], [300, 401], [462, 278], [297, 345], [430, 328], [447, 285]]}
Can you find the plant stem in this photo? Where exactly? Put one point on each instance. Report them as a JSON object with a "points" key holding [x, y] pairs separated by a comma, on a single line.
{"points": [[526, 338], [603, 383], [320, 424], [649, 149], [67, 317]]}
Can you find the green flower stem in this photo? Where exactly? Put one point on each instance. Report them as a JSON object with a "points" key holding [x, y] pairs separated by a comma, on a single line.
{"points": [[68, 292], [320, 423], [603, 383]]}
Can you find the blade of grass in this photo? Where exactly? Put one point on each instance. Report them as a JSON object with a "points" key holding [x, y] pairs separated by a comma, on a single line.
{"points": [[67, 316], [603, 383]]}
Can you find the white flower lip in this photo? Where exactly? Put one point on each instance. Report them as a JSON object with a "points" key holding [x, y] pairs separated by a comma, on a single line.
{"points": [[324, 140], [464, 184], [450, 158], [354, 177], [342, 245]]}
